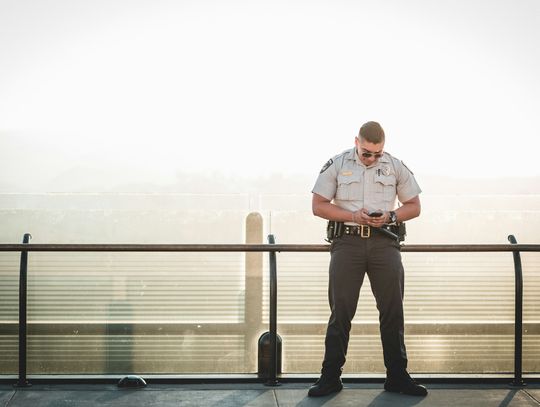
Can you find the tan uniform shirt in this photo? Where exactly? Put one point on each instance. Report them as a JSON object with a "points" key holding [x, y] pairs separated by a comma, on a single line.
{"points": [[352, 185]]}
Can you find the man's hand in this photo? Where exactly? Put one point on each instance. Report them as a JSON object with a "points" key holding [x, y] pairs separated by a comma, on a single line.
{"points": [[374, 221]]}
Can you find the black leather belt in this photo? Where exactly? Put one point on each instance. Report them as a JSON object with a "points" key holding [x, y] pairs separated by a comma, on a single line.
{"points": [[364, 231], [336, 229]]}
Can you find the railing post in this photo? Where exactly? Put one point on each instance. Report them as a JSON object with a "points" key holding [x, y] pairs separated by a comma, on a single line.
{"points": [[22, 382], [272, 378], [518, 323]]}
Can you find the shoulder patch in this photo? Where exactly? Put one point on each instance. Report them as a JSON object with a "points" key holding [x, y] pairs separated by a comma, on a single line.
{"points": [[327, 165]]}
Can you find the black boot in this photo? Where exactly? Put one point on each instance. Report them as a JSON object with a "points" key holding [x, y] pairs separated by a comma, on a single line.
{"points": [[403, 383], [325, 386]]}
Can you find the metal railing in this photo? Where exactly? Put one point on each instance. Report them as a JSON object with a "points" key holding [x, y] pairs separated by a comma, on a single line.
{"points": [[272, 248]]}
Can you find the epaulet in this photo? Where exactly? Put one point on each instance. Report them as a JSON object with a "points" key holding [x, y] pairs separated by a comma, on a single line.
{"points": [[402, 163], [392, 158]]}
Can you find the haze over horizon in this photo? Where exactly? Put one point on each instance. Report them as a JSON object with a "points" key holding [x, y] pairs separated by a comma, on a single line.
{"points": [[252, 88]]}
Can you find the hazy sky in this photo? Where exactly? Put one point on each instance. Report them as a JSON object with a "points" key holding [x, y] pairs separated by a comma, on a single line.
{"points": [[151, 88]]}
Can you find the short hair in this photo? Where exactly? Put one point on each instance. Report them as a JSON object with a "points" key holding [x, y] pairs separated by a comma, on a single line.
{"points": [[372, 132]]}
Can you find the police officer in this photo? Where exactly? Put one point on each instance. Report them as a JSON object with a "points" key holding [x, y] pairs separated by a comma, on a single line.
{"points": [[357, 190]]}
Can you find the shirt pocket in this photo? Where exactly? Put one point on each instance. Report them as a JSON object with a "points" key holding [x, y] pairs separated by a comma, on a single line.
{"points": [[350, 187], [385, 185]]}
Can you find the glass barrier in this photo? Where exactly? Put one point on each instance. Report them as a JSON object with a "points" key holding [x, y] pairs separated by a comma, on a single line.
{"points": [[198, 313]]}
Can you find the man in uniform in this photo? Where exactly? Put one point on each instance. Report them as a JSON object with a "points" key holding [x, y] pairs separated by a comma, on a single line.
{"points": [[356, 191]]}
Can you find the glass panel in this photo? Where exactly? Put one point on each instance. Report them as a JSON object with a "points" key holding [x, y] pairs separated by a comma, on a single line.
{"points": [[531, 312], [186, 313], [9, 312], [98, 313], [459, 308], [111, 312]]}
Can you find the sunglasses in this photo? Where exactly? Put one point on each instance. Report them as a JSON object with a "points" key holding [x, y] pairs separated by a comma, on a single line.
{"points": [[369, 155]]}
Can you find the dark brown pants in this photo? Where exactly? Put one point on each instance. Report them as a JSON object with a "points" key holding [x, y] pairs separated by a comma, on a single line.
{"points": [[351, 258]]}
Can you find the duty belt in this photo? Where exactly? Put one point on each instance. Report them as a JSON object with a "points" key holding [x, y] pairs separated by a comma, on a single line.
{"points": [[363, 231], [338, 229]]}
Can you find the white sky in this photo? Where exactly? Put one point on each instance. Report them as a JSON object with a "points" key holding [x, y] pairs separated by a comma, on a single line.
{"points": [[253, 87]]}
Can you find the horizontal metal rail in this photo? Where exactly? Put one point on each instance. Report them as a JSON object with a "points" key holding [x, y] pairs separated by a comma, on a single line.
{"points": [[239, 328], [412, 248]]}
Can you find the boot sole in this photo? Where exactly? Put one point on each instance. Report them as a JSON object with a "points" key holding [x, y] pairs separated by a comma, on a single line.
{"points": [[336, 390], [396, 390]]}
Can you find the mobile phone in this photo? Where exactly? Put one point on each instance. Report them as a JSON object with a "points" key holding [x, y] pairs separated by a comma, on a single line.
{"points": [[375, 214]]}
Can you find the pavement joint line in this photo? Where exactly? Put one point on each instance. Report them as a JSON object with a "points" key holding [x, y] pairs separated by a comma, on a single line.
{"points": [[11, 398], [275, 397], [531, 396]]}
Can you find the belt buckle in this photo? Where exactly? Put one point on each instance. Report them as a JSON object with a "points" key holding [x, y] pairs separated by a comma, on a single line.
{"points": [[365, 231]]}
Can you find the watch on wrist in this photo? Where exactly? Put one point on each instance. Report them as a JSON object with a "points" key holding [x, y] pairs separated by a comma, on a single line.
{"points": [[393, 217]]}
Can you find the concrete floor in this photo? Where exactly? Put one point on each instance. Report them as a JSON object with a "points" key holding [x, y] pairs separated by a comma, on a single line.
{"points": [[287, 395]]}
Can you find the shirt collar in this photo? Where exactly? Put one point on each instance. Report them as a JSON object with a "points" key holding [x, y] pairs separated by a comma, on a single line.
{"points": [[351, 155]]}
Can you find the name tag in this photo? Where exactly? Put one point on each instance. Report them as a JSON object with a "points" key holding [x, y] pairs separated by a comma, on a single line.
{"points": [[346, 173]]}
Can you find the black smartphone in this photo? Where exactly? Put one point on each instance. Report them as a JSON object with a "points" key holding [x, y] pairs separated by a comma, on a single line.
{"points": [[375, 214]]}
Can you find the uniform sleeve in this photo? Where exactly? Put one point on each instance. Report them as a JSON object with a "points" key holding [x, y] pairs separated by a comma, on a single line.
{"points": [[326, 184], [407, 187]]}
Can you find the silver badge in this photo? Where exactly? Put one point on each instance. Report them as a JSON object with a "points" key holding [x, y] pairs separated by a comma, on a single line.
{"points": [[386, 170]]}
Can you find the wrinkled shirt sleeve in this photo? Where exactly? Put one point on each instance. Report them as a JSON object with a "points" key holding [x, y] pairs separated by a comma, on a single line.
{"points": [[407, 187]]}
